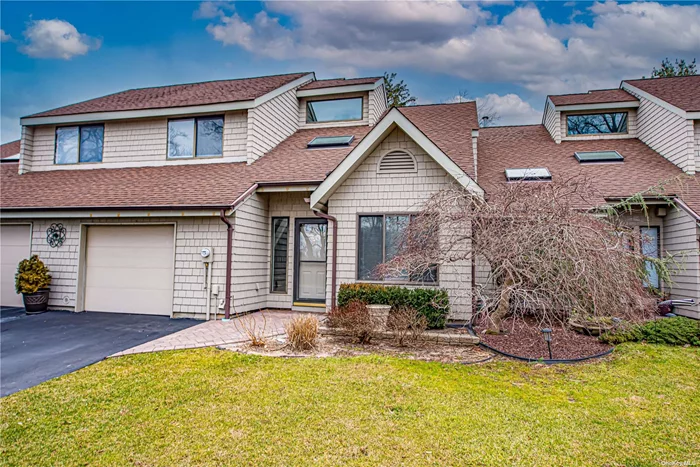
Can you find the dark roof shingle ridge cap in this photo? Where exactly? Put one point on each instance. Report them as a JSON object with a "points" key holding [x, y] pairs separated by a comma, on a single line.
{"points": [[496, 127], [434, 104], [659, 78], [349, 79]]}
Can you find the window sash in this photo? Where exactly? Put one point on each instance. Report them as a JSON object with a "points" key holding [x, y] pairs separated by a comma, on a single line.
{"points": [[313, 117], [603, 123], [388, 250], [192, 131], [72, 145], [279, 254]]}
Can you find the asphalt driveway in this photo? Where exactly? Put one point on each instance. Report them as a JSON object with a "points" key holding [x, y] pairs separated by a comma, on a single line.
{"points": [[36, 348]]}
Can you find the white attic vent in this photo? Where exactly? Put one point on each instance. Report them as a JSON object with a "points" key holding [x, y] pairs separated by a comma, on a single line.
{"points": [[397, 162]]}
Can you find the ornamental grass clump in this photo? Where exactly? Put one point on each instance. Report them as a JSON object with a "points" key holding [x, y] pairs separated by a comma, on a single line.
{"points": [[32, 275], [302, 333]]}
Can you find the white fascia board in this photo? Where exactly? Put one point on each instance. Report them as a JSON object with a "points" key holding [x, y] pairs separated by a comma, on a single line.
{"points": [[380, 131], [547, 104], [693, 115], [601, 106], [95, 214], [286, 188], [282, 89], [339, 90], [164, 112], [660, 102]]}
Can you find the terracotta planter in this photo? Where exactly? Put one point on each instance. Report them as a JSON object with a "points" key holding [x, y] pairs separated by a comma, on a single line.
{"points": [[37, 302]]}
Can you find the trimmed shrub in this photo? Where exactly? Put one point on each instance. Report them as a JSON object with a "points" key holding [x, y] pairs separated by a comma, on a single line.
{"points": [[670, 331], [32, 275], [434, 304]]}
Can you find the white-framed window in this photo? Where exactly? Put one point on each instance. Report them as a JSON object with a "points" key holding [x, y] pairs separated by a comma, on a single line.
{"points": [[278, 261], [595, 124], [195, 137]]}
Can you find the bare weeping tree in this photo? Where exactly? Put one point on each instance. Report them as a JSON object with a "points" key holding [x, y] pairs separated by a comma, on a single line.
{"points": [[548, 257]]}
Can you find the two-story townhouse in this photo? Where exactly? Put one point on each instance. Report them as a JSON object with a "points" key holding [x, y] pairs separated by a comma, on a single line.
{"points": [[270, 192]]}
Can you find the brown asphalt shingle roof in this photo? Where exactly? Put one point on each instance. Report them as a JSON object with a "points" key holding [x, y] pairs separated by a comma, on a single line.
{"points": [[449, 126], [188, 185], [602, 96], [9, 149], [180, 95], [532, 146], [332, 83], [681, 91]]}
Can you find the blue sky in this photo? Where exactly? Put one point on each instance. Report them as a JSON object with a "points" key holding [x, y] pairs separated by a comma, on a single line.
{"points": [[509, 55]]}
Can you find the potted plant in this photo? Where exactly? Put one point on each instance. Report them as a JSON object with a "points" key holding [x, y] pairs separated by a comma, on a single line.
{"points": [[32, 281]]}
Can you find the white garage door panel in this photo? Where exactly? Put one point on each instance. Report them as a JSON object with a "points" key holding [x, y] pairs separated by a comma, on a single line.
{"points": [[129, 269], [14, 247]]}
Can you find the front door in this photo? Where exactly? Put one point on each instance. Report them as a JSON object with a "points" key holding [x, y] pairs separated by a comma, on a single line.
{"points": [[310, 253]]}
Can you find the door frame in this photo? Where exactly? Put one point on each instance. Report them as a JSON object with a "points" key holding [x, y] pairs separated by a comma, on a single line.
{"points": [[297, 223]]}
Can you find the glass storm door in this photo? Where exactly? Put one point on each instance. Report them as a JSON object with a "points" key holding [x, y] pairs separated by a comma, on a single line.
{"points": [[310, 252], [650, 248]]}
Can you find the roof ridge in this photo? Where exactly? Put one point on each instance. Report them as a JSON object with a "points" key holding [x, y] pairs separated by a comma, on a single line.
{"points": [[510, 126], [211, 81], [660, 78], [434, 104]]}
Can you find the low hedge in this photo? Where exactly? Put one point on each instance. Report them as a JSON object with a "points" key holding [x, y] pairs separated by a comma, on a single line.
{"points": [[670, 331], [434, 304]]}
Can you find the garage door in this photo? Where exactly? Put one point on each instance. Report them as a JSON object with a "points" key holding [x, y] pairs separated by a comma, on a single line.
{"points": [[14, 247], [129, 269]]}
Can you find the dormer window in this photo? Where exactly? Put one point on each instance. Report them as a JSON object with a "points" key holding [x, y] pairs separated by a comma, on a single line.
{"points": [[330, 141], [195, 137], [78, 144], [539, 174], [598, 156], [596, 124], [334, 110]]}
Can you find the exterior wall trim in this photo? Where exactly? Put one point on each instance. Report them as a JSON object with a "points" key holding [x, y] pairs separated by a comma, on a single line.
{"points": [[600, 106], [339, 89], [45, 213], [660, 102], [380, 131], [168, 111]]}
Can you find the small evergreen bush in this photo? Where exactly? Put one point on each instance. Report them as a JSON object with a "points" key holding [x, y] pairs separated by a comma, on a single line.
{"points": [[32, 275], [670, 331], [434, 304]]}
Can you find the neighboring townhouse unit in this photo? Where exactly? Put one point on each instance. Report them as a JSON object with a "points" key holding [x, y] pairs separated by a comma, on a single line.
{"points": [[207, 199]]}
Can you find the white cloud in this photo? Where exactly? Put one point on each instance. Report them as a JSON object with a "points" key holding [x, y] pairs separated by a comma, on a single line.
{"points": [[55, 38], [622, 41], [209, 10], [4, 37], [510, 109]]}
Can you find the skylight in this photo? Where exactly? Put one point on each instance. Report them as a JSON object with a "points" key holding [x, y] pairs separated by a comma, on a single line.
{"points": [[330, 141], [539, 173], [598, 156]]}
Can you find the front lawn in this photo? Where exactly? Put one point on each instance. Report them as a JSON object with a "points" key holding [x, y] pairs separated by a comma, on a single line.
{"points": [[211, 407]]}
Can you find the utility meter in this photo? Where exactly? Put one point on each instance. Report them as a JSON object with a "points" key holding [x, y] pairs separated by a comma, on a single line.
{"points": [[207, 254]]}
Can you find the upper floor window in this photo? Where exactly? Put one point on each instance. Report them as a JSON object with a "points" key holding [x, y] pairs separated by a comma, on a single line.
{"points": [[195, 137], [334, 110], [593, 124], [76, 144]]}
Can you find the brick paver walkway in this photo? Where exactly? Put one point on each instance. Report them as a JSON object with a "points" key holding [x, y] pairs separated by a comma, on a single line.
{"points": [[211, 333]]}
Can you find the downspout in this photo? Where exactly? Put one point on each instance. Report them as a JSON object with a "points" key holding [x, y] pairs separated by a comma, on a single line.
{"points": [[334, 254], [229, 249], [229, 246]]}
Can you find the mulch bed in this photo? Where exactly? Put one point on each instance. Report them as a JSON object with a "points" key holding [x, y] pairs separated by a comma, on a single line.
{"points": [[524, 339], [339, 346]]}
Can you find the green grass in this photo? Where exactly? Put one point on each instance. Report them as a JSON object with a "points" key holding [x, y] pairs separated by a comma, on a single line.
{"points": [[209, 407]]}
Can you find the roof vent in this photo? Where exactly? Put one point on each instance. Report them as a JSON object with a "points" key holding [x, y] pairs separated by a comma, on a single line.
{"points": [[397, 162], [535, 174], [330, 141], [598, 156]]}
